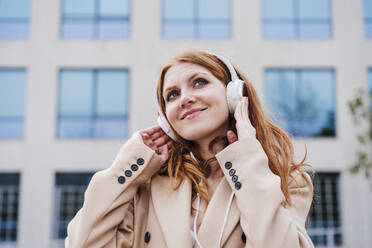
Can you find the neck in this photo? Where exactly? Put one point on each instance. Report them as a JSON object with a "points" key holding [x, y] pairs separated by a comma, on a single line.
{"points": [[203, 146]]}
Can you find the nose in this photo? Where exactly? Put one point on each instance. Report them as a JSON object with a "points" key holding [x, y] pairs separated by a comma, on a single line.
{"points": [[187, 99]]}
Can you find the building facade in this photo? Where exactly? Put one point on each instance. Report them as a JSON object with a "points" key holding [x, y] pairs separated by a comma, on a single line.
{"points": [[77, 78]]}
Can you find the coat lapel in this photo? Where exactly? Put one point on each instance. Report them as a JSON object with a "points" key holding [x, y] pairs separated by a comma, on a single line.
{"points": [[210, 229], [173, 210]]}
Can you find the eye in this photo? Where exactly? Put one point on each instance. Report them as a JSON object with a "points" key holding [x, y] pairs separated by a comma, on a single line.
{"points": [[171, 95], [200, 81]]}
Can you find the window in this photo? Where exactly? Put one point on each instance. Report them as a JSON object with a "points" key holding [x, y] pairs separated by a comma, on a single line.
{"points": [[95, 19], [303, 100], [325, 216], [14, 19], [12, 103], [368, 18], [196, 19], [93, 103], [9, 198], [69, 198], [297, 19]]}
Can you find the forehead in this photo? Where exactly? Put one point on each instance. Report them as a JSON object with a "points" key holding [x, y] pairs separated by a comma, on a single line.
{"points": [[180, 72]]}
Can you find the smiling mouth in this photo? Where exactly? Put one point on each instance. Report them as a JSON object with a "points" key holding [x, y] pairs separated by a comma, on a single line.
{"points": [[193, 115]]}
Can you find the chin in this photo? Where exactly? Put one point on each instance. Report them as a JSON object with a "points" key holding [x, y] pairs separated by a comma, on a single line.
{"points": [[197, 132]]}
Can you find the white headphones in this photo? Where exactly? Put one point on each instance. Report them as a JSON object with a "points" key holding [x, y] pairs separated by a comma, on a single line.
{"points": [[234, 91]]}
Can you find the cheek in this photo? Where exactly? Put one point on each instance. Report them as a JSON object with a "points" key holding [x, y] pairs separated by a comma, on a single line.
{"points": [[171, 114]]}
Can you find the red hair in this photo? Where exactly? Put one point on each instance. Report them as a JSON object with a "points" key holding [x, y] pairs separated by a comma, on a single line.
{"points": [[275, 142]]}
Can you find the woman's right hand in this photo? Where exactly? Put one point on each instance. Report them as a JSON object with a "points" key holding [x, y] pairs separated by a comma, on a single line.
{"points": [[157, 140]]}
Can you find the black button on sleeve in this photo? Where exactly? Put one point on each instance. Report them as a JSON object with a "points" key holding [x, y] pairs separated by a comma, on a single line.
{"points": [[244, 238], [121, 179], [238, 185], [128, 173], [140, 161], [234, 178], [232, 172], [147, 237], [134, 167], [228, 165]]}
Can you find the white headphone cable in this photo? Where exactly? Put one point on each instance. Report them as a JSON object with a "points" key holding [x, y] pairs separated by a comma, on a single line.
{"points": [[224, 220], [195, 220]]}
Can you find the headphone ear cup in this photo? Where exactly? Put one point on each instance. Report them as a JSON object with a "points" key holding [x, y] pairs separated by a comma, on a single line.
{"points": [[165, 126], [234, 91]]}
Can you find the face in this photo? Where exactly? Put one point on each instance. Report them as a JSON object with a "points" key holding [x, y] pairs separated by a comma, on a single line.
{"points": [[195, 102]]}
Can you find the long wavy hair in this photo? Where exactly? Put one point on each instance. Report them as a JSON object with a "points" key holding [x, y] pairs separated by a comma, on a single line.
{"points": [[275, 142]]}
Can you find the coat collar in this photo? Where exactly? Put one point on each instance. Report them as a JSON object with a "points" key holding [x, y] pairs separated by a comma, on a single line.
{"points": [[173, 210]]}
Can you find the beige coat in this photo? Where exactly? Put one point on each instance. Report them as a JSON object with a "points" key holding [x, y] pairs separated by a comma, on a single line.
{"points": [[144, 212]]}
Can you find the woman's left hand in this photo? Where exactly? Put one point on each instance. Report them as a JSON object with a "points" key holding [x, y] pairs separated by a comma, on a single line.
{"points": [[243, 124]]}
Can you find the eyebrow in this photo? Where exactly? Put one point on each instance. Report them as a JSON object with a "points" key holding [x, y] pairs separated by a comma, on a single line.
{"points": [[191, 78]]}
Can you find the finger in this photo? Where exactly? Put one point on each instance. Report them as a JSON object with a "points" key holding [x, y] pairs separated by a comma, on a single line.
{"points": [[156, 135], [161, 141], [152, 130], [144, 136], [169, 144], [237, 113], [164, 151], [245, 109], [231, 137]]}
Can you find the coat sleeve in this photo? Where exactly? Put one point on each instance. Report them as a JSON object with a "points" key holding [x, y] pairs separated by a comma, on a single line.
{"points": [[107, 215], [265, 218]]}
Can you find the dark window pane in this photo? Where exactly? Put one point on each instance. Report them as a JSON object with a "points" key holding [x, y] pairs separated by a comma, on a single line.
{"points": [[69, 198], [9, 188], [325, 220]]}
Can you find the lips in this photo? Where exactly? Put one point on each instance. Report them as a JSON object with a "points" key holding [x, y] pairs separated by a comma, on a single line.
{"points": [[192, 111]]}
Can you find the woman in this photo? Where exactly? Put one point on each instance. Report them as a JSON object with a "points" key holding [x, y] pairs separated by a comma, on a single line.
{"points": [[226, 178]]}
